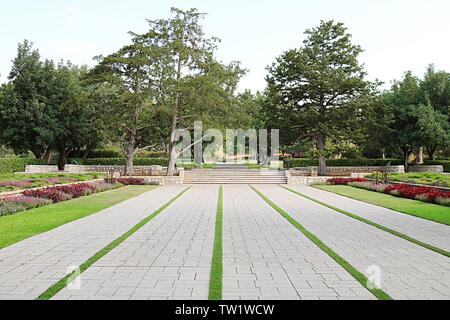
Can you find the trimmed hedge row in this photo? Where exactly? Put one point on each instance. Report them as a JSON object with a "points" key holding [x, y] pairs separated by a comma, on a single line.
{"points": [[308, 162], [96, 154], [120, 161], [445, 163], [11, 165]]}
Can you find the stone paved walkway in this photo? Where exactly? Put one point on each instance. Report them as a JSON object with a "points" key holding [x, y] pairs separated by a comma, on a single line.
{"points": [[408, 271], [436, 234], [29, 267], [266, 257], [168, 258]]}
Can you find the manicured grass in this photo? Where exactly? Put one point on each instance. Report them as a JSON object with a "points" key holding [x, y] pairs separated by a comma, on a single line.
{"points": [[28, 223], [273, 164], [361, 278], [416, 208], [192, 165], [215, 283], [427, 178], [54, 289], [376, 225]]}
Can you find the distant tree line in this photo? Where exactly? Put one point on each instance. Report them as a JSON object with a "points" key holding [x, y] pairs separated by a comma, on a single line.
{"points": [[142, 95]]}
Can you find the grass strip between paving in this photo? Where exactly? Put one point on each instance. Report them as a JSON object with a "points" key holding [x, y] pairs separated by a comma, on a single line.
{"points": [[215, 283], [376, 225], [361, 278], [54, 289]]}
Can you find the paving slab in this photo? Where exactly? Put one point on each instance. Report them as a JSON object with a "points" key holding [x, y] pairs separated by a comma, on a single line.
{"points": [[266, 257], [430, 232], [168, 258], [29, 267], [406, 270]]}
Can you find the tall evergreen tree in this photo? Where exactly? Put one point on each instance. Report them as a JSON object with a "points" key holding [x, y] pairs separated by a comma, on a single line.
{"points": [[312, 90], [194, 85]]}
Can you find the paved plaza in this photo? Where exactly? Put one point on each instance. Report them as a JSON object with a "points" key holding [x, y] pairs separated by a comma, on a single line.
{"points": [[264, 255]]}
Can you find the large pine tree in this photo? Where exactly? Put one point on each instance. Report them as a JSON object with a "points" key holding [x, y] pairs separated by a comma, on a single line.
{"points": [[312, 90]]}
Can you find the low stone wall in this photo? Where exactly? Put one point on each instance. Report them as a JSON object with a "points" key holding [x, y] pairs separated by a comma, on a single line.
{"points": [[76, 168], [149, 173], [342, 171], [427, 168], [306, 180], [162, 180]]}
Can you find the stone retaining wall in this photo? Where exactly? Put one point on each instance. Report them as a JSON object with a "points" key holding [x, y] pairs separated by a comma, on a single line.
{"points": [[306, 180], [162, 180], [427, 168], [342, 171], [149, 173]]}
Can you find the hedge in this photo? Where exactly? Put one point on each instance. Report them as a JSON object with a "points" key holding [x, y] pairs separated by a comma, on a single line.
{"points": [[120, 161], [96, 154], [11, 165], [308, 162], [445, 163]]}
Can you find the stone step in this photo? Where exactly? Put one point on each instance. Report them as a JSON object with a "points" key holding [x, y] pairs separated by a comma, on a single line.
{"points": [[236, 175], [242, 180], [222, 180], [235, 182]]}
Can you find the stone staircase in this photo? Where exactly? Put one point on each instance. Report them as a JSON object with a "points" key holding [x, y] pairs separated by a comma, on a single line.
{"points": [[234, 174]]}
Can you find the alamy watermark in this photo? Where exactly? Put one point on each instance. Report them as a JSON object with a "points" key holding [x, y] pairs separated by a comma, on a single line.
{"points": [[231, 148], [74, 281], [373, 277]]}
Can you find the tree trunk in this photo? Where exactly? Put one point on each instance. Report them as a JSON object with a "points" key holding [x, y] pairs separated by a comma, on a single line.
{"points": [[173, 141], [47, 155], [129, 156], [383, 153], [62, 159], [322, 161], [431, 150], [173, 138], [406, 153], [86, 151], [420, 156]]}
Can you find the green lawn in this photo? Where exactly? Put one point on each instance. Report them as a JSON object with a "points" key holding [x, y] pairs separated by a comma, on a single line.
{"points": [[427, 178], [191, 165], [416, 208], [25, 224]]}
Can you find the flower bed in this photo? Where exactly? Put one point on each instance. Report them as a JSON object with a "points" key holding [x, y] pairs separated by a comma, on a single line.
{"points": [[422, 193], [129, 181], [17, 183], [26, 181], [344, 181], [419, 193], [11, 205], [41, 197]]}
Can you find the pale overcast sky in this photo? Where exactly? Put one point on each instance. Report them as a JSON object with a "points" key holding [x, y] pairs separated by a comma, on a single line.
{"points": [[397, 35]]}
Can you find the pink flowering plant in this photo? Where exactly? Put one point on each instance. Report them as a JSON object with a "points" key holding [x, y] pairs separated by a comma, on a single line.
{"points": [[11, 182], [13, 204]]}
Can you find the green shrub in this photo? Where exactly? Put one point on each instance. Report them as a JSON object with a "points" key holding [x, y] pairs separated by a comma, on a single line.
{"points": [[445, 163], [104, 154], [307, 162], [96, 154], [120, 161], [11, 165]]}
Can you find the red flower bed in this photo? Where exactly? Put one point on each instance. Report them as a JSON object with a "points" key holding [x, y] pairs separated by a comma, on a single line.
{"points": [[345, 180], [60, 193], [129, 181], [411, 192]]}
